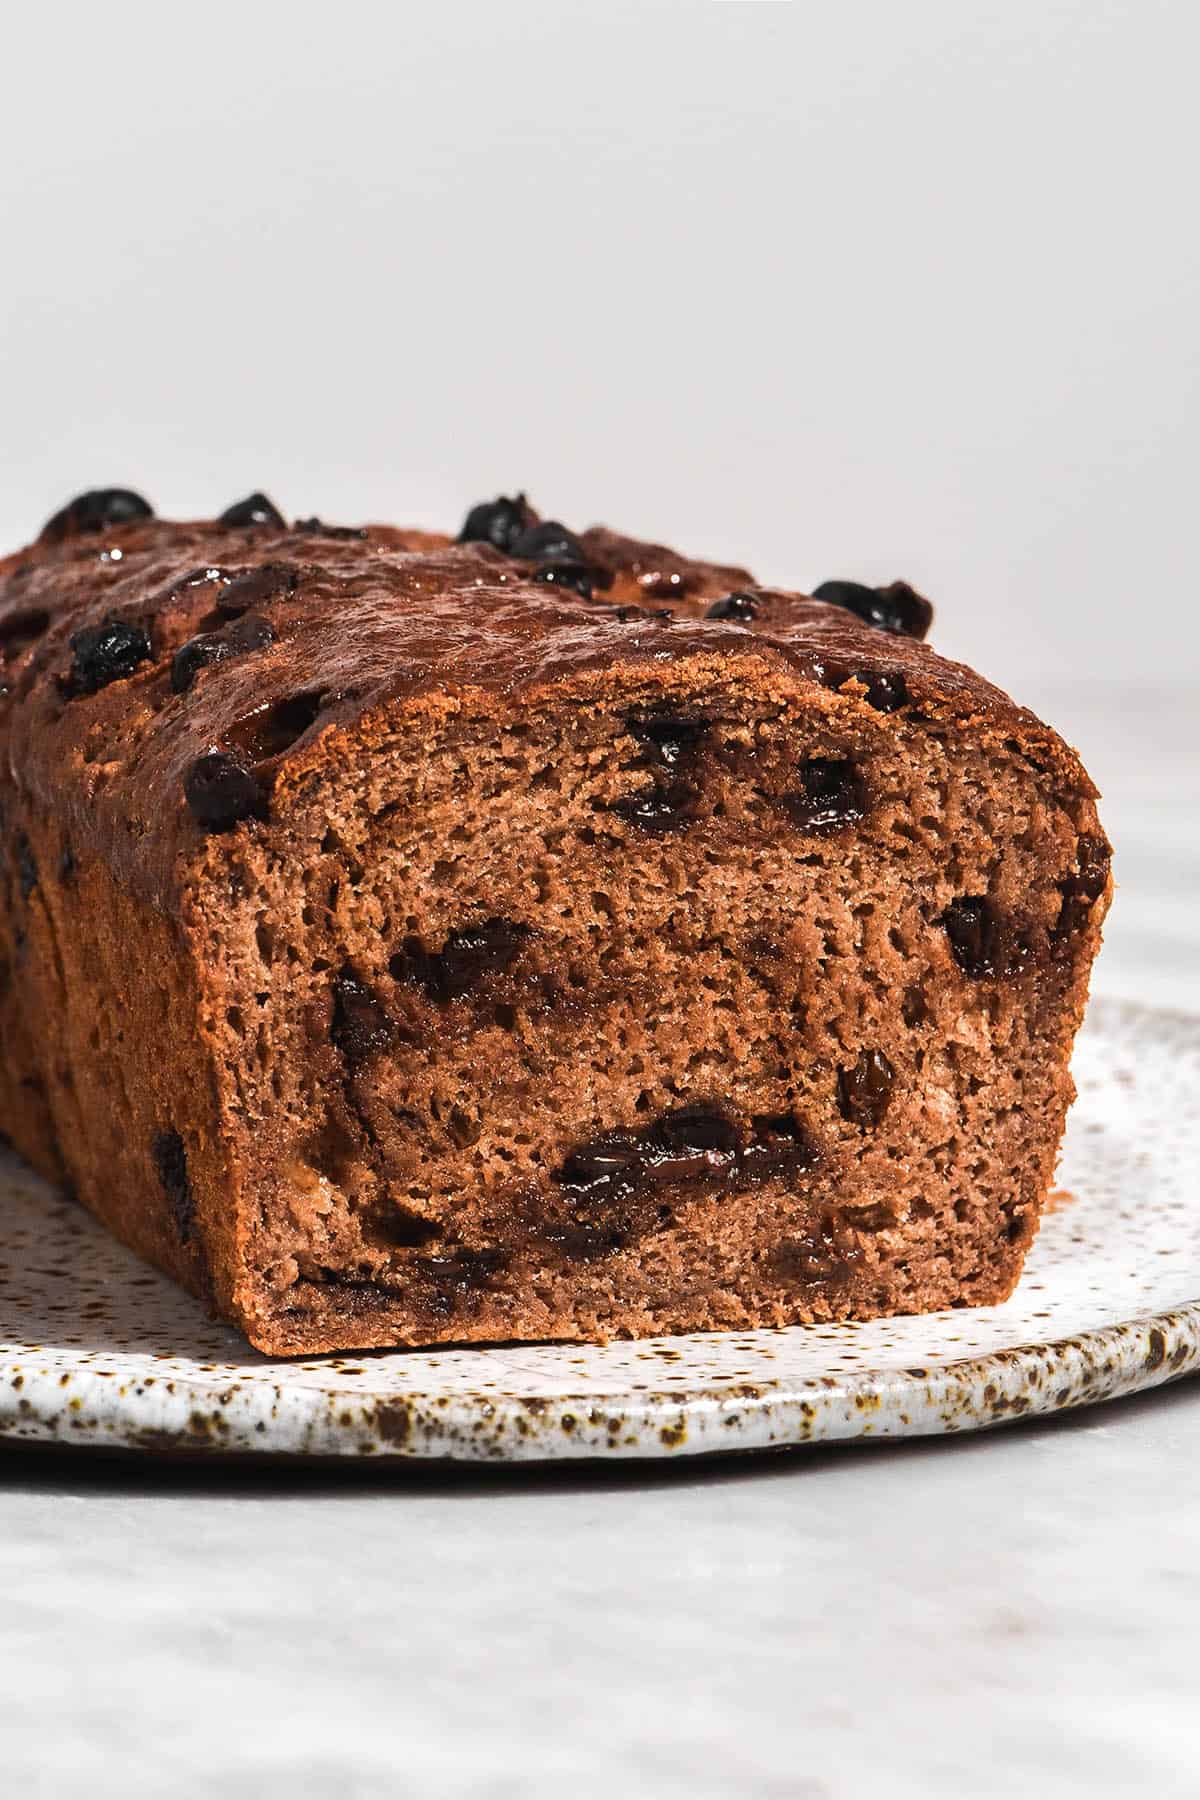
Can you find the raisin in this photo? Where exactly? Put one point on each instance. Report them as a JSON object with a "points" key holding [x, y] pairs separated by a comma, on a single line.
{"points": [[106, 653], [270, 581], [344, 533], [548, 542], [360, 1027], [668, 740], [248, 632], [738, 608], [255, 509], [469, 954], [831, 796], [95, 511], [497, 522], [865, 1089], [897, 608], [660, 809], [1081, 890], [222, 790], [169, 1155], [27, 870]]}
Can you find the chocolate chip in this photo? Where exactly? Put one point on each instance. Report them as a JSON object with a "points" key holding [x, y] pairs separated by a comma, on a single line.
{"points": [[658, 810], [95, 510], [27, 870], [222, 790], [738, 608], [270, 581], [318, 528], [865, 1089], [169, 1156], [246, 633], [360, 1028], [548, 542], [886, 693], [896, 608], [469, 955], [106, 653], [831, 796], [497, 522], [255, 509]]}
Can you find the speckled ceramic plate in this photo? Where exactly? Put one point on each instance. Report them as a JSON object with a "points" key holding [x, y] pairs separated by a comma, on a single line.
{"points": [[97, 1349]]}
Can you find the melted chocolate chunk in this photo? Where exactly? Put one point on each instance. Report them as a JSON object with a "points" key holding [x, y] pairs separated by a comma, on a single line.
{"points": [[603, 1169], [271, 729], [255, 509], [548, 542], [247, 632], [897, 608], [630, 615], [865, 1089], [95, 511], [497, 522], [831, 796], [816, 1258], [269, 582], [1081, 890], [169, 1156], [694, 1143], [738, 608], [106, 653], [984, 945], [669, 741], [360, 1027], [27, 869], [657, 810], [779, 1145], [470, 954], [222, 790]]}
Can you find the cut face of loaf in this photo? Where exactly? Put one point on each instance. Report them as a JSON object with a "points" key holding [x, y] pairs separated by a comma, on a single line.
{"points": [[474, 952]]}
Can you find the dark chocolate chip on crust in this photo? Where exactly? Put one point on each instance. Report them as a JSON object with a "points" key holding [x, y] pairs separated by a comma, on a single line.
{"points": [[249, 632], [95, 510], [497, 522], [222, 790], [255, 509], [897, 608], [737, 609], [104, 653]]}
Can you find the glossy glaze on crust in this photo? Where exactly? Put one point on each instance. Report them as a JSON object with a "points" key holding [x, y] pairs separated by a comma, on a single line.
{"points": [[347, 625]]}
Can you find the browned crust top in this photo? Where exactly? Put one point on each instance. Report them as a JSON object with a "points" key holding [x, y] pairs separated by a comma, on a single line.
{"points": [[375, 619]]}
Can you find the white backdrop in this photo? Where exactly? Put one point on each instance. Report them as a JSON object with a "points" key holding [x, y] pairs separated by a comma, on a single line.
{"points": [[865, 290]]}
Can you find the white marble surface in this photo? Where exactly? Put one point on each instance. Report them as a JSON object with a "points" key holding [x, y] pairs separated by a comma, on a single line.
{"points": [[1011, 1613]]}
